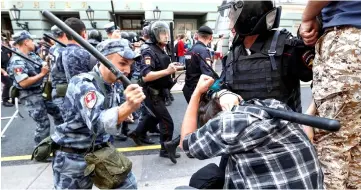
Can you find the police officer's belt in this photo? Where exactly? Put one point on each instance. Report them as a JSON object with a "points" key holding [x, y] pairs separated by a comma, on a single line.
{"points": [[82, 151], [153, 91]]}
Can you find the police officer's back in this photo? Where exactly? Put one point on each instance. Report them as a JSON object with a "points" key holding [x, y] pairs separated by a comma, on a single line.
{"points": [[198, 61], [263, 62], [71, 61]]}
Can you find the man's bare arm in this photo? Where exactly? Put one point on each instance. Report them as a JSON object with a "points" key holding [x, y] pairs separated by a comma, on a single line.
{"points": [[313, 8]]}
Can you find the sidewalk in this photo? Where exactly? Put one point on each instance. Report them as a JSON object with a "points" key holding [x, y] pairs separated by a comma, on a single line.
{"points": [[152, 172]]}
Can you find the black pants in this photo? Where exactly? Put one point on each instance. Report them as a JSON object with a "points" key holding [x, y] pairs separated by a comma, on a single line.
{"points": [[187, 92], [163, 118], [7, 84]]}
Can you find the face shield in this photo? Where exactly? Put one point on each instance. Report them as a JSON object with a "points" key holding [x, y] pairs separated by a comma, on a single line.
{"points": [[229, 12], [161, 32]]}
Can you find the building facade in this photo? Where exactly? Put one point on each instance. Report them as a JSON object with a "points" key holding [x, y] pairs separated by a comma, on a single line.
{"points": [[187, 15]]}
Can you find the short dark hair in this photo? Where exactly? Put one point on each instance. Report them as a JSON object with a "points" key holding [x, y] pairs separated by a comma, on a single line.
{"points": [[204, 35], [76, 24], [181, 36], [208, 109]]}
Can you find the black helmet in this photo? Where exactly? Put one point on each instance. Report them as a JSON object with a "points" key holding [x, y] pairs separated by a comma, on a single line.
{"points": [[96, 35], [132, 37], [145, 23], [124, 35], [156, 29], [247, 17]]}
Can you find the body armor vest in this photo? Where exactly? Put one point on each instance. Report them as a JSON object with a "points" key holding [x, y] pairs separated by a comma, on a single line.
{"points": [[263, 74], [162, 61]]}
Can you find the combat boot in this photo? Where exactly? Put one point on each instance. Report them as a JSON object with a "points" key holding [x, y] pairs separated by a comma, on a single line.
{"points": [[171, 148]]}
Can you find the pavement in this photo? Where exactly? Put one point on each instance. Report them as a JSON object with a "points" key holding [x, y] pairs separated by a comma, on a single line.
{"points": [[152, 172]]}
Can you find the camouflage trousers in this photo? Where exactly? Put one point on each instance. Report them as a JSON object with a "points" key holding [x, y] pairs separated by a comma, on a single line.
{"points": [[68, 173], [59, 101], [38, 109], [337, 94]]}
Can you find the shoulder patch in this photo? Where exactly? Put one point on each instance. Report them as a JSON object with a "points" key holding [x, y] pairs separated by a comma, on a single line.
{"points": [[18, 70], [147, 60], [90, 99]]}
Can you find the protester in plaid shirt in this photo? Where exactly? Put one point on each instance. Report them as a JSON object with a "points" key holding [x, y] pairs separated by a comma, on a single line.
{"points": [[263, 152]]}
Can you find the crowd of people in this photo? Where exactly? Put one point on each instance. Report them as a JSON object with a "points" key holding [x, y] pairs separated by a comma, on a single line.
{"points": [[224, 116]]}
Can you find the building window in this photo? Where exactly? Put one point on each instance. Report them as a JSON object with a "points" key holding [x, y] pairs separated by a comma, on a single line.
{"points": [[63, 17], [130, 23]]}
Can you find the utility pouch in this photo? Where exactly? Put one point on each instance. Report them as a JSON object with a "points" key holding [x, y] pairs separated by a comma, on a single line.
{"points": [[43, 150], [107, 167], [61, 90]]}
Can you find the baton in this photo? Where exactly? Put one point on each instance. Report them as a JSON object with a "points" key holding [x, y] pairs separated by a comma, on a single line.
{"points": [[57, 41], [119, 75], [316, 122], [113, 13], [21, 55]]}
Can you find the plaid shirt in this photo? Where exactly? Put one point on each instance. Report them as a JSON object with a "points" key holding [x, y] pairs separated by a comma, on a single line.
{"points": [[264, 153]]}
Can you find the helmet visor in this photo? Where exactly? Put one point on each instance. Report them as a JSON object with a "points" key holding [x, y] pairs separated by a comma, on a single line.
{"points": [[162, 35], [229, 12]]}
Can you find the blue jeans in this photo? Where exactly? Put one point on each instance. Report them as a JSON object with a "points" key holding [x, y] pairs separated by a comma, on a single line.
{"points": [[182, 60], [68, 173]]}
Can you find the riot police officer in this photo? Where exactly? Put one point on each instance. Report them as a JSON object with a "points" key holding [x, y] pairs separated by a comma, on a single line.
{"points": [[198, 61], [28, 78], [263, 62], [72, 60], [91, 112], [94, 37], [110, 28], [156, 77], [61, 37]]}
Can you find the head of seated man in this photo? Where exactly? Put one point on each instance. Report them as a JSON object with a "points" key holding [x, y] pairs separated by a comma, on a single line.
{"points": [[263, 152]]}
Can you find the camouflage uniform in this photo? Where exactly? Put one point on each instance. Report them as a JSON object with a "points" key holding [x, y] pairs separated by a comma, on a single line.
{"points": [[37, 107], [337, 94], [55, 49], [71, 60], [84, 113]]}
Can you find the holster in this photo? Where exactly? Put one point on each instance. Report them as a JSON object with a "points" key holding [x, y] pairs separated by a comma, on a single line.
{"points": [[61, 89], [47, 90], [154, 94]]}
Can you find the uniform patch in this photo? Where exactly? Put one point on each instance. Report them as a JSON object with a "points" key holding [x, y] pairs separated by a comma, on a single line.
{"points": [[307, 58], [90, 99], [147, 60], [18, 70], [208, 60]]}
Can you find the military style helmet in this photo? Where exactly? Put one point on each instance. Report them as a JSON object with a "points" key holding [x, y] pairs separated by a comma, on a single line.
{"points": [[247, 17], [124, 35], [96, 35], [133, 37], [145, 32], [157, 29]]}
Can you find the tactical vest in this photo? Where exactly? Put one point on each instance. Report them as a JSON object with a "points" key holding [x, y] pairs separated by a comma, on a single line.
{"points": [[262, 74], [162, 62]]}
